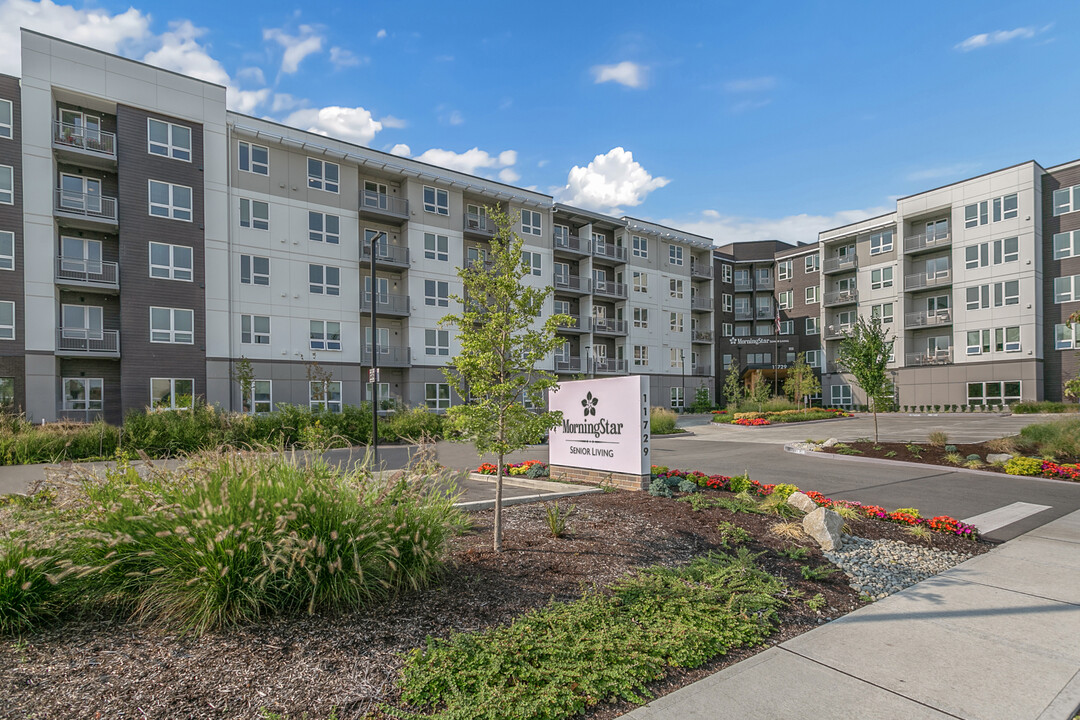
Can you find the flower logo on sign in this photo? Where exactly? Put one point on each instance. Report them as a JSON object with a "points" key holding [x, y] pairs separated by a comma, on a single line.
{"points": [[589, 403]]}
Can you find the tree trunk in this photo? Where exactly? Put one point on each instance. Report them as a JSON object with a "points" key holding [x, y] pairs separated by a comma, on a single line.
{"points": [[497, 544], [874, 407]]}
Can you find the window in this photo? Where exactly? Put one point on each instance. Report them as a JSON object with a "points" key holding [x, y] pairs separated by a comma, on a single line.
{"points": [[1066, 244], [172, 393], [166, 200], [727, 301], [254, 158], [1003, 293], [726, 329], [813, 358], [976, 214], [742, 330], [437, 342], [261, 398], [1064, 337], [168, 140], [759, 358], [323, 227], [254, 214], [675, 255], [993, 393], [812, 263], [675, 357], [7, 250], [255, 329], [763, 329], [1067, 289], [783, 270], [995, 253], [79, 193], [436, 247], [81, 394], [881, 278], [324, 335], [675, 288], [764, 277], [79, 255], [640, 246], [742, 308], [641, 318], [561, 234], [641, 355], [676, 322], [725, 273], [1066, 200], [436, 201], [1005, 207], [840, 395], [7, 320], [170, 262], [437, 395], [436, 293], [813, 325], [677, 399], [531, 223], [883, 311], [7, 392], [1007, 339], [533, 261], [385, 401], [324, 280], [881, 242], [812, 294], [254, 270], [322, 175], [7, 185], [82, 321], [325, 395], [172, 325], [7, 119], [787, 327], [786, 299], [641, 282]]}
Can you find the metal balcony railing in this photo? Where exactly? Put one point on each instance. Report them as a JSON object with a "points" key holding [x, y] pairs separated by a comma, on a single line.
{"points": [[764, 283], [386, 303], [609, 250], [609, 288], [609, 366], [701, 270], [573, 283], [926, 241], [577, 324], [87, 272], [81, 138], [83, 340], [389, 356], [572, 243], [835, 332], [701, 336], [701, 371], [699, 302], [926, 319], [744, 315], [924, 280], [98, 207], [567, 363], [479, 224], [764, 314], [743, 285], [388, 253], [929, 357], [609, 326], [838, 264], [840, 297], [381, 203]]}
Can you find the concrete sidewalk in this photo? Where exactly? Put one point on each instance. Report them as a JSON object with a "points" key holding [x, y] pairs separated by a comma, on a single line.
{"points": [[994, 637]]}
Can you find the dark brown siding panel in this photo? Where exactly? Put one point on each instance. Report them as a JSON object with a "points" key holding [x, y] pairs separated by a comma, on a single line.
{"points": [[141, 359], [1059, 365], [107, 370], [13, 366], [11, 219]]}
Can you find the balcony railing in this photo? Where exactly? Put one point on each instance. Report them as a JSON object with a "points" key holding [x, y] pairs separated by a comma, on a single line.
{"points": [[764, 283], [744, 315], [924, 280], [838, 264], [90, 342], [609, 288], [389, 356], [572, 283], [381, 205], [927, 319], [609, 326], [388, 253], [743, 285], [926, 241], [87, 272], [840, 297], [929, 357], [577, 323], [81, 138], [572, 243], [701, 270], [835, 331], [765, 314], [701, 336], [609, 366], [97, 207], [567, 364], [609, 250], [701, 371], [82, 415], [699, 302], [479, 224], [386, 303]]}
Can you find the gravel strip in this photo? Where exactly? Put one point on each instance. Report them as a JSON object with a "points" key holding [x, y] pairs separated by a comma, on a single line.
{"points": [[878, 568]]}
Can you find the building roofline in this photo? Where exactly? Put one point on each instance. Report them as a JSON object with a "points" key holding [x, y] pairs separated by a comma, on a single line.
{"points": [[690, 235], [973, 177], [574, 210], [875, 217], [1062, 166]]}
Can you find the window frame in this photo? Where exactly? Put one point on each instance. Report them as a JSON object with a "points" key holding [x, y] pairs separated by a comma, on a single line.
{"points": [[726, 272], [322, 234], [172, 210], [881, 242], [170, 147], [325, 343], [7, 129], [248, 206], [675, 255], [535, 224], [172, 269], [321, 181], [784, 270], [254, 277], [253, 166], [1060, 341], [639, 246], [678, 397], [812, 263], [640, 281], [439, 295], [641, 318], [440, 247], [331, 389], [676, 323], [255, 402], [88, 384], [251, 331], [172, 394], [324, 286], [881, 283], [676, 289], [786, 299], [7, 259], [435, 206], [171, 332], [434, 400], [7, 332], [812, 326], [812, 295], [7, 196], [727, 302]]}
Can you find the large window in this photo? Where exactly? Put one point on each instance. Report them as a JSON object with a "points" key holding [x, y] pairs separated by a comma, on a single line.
{"points": [[254, 270], [172, 393], [883, 311], [640, 246], [436, 247], [641, 356], [254, 158], [641, 318], [325, 335], [840, 395], [787, 327], [254, 214], [993, 393], [168, 140], [675, 255], [881, 278], [533, 261], [813, 325], [783, 270], [7, 119], [325, 395], [727, 301], [1067, 200], [170, 201], [7, 392], [324, 227], [170, 262], [261, 399], [436, 201], [678, 399], [172, 325], [7, 185], [1005, 207], [812, 263], [1064, 337], [437, 342], [995, 253], [255, 329], [324, 280], [82, 394], [1066, 245], [322, 175], [675, 288], [881, 242], [7, 320], [812, 295], [1066, 289], [641, 282], [532, 222], [436, 293], [980, 297], [786, 299], [725, 273], [7, 250], [437, 395], [676, 322]]}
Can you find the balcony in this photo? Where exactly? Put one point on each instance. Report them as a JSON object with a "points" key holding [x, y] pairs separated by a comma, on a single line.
{"points": [[701, 336], [700, 303], [79, 274], [926, 319], [926, 242], [383, 208], [88, 211], [701, 371], [840, 297], [389, 356], [744, 314], [609, 366], [608, 326], [608, 288], [479, 226], [567, 364], [929, 357], [386, 255], [83, 416], [572, 244], [838, 332], [84, 145], [764, 283], [700, 270], [387, 304], [743, 285], [844, 263], [577, 324], [572, 284], [609, 251], [81, 342], [765, 314], [920, 281]]}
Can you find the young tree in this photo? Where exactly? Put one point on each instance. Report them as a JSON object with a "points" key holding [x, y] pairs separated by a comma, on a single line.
{"points": [[801, 380], [243, 375], [502, 342], [1072, 385], [864, 354], [733, 386], [759, 390]]}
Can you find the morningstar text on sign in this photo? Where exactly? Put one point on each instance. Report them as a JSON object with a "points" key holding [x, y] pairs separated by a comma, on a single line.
{"points": [[605, 425]]}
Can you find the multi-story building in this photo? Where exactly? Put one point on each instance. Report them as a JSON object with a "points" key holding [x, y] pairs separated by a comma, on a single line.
{"points": [[149, 239]]}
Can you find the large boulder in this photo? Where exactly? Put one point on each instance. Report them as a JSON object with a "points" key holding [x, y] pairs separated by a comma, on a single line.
{"points": [[829, 443], [824, 526], [995, 458], [801, 501]]}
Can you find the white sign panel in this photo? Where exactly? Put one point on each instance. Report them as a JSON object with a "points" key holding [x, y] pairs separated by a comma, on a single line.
{"points": [[605, 425]]}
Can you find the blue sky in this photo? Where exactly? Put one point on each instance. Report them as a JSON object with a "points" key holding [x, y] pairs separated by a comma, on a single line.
{"points": [[736, 120]]}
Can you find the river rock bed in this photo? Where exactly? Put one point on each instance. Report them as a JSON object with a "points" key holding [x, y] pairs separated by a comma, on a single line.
{"points": [[878, 568]]}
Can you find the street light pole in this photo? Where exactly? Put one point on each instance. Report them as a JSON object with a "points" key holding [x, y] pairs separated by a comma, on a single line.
{"points": [[374, 357], [682, 365]]}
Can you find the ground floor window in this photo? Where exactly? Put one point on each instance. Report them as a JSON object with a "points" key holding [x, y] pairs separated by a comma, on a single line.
{"points": [[325, 395], [994, 393], [262, 397], [840, 395], [385, 401], [82, 394], [7, 391], [677, 397], [172, 393], [437, 395]]}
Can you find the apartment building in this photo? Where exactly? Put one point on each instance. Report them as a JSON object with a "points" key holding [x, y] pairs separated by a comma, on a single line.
{"points": [[149, 239]]}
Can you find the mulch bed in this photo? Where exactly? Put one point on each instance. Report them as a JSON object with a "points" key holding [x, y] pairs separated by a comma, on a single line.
{"points": [[99, 667], [929, 455]]}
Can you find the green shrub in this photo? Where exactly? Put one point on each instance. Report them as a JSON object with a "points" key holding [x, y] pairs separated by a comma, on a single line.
{"points": [[954, 458], [1057, 439], [973, 456], [411, 424], [733, 534], [702, 401], [688, 486], [1044, 406], [740, 483], [538, 470], [659, 488], [662, 421], [558, 518], [785, 490], [950, 448], [1024, 466]]}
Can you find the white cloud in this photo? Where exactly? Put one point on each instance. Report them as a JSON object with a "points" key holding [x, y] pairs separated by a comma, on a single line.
{"points": [[611, 180], [456, 118], [726, 229], [401, 150], [180, 52], [625, 73], [284, 102], [342, 58], [995, 38], [350, 124], [471, 161], [393, 122], [247, 101], [508, 175], [252, 74], [757, 84], [297, 47], [380, 35]]}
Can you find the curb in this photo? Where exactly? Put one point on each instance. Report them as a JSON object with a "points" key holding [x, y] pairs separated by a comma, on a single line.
{"points": [[475, 505], [684, 433], [522, 481]]}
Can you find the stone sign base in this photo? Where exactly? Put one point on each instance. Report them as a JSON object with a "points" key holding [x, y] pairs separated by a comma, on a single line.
{"points": [[622, 481]]}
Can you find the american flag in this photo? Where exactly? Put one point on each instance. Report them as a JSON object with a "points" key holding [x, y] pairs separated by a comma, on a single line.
{"points": [[777, 318]]}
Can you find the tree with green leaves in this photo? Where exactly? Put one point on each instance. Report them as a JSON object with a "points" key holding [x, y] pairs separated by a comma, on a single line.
{"points": [[503, 340], [1071, 387], [243, 375], [801, 380], [733, 386], [759, 390], [864, 354]]}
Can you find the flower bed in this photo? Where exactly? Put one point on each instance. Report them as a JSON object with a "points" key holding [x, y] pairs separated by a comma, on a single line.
{"points": [[527, 468], [1034, 467], [780, 416], [750, 422]]}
